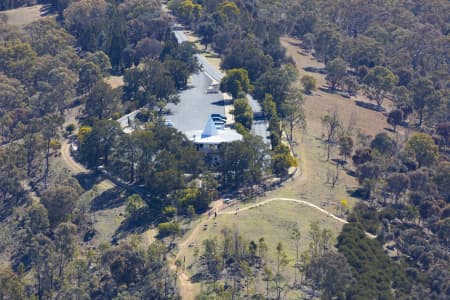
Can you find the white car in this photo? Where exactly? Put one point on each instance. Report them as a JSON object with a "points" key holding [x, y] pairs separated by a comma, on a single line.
{"points": [[168, 123]]}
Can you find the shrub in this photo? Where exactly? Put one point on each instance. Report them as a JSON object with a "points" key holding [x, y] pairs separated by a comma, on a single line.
{"points": [[309, 83], [168, 228]]}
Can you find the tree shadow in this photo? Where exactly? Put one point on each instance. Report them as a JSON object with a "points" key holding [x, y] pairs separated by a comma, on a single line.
{"points": [[88, 180], [140, 221], [351, 173], [198, 277], [370, 106], [109, 199], [339, 161], [322, 71], [219, 103], [295, 44]]}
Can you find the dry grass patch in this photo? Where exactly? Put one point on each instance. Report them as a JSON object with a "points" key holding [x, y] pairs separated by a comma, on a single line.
{"points": [[115, 81], [25, 15], [368, 121]]}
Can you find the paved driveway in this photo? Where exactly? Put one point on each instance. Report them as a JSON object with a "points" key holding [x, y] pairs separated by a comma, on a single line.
{"points": [[193, 112], [195, 105]]}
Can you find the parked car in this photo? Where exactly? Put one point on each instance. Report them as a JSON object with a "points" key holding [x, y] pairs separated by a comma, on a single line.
{"points": [[169, 123]]}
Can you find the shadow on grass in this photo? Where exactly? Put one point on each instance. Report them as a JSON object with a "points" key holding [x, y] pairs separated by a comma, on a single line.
{"points": [[199, 277], [109, 199], [88, 180], [369, 106], [141, 220], [322, 71]]}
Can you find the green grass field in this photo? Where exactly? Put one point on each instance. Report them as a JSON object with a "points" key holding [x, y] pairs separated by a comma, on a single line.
{"points": [[274, 221]]}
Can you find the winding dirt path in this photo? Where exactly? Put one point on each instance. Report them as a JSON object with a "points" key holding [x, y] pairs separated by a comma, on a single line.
{"points": [[71, 164], [290, 200], [70, 118]]}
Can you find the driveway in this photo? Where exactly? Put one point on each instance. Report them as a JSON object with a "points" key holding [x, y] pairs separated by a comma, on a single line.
{"points": [[195, 105]]}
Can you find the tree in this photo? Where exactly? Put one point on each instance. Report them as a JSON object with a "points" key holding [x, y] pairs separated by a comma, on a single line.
{"points": [[65, 244], [97, 143], [321, 240], [296, 235], [168, 228], [337, 69], [350, 85], [91, 32], [384, 145], [236, 82], [275, 82], [282, 160], [345, 146], [328, 44], [243, 113], [62, 82], [331, 274], [443, 129], [397, 183], [309, 83], [380, 80], [395, 118], [246, 54], [60, 6], [186, 10], [33, 144], [425, 98], [442, 180], [147, 47], [103, 101], [152, 84], [267, 277], [10, 285], [88, 76], [100, 59], [243, 162], [292, 113], [362, 156], [332, 123], [18, 60], [47, 37], [126, 267], [270, 107], [134, 203], [422, 147], [60, 202], [280, 263], [38, 222], [50, 126], [41, 251]]}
